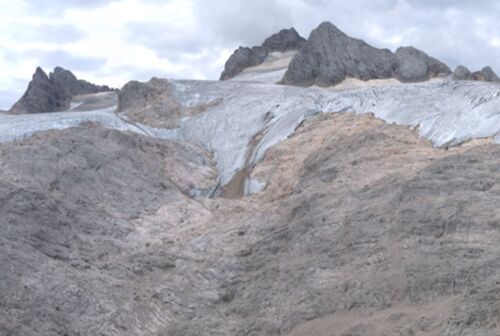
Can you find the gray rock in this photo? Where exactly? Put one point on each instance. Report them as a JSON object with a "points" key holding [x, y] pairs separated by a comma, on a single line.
{"points": [[461, 73], [285, 40], [486, 75], [137, 95], [152, 103], [415, 65], [53, 92], [244, 57], [329, 56]]}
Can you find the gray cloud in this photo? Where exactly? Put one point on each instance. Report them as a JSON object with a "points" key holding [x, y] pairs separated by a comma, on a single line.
{"points": [[165, 43], [452, 3], [10, 95], [7, 97], [48, 33], [56, 6], [51, 59], [455, 31], [231, 23]]}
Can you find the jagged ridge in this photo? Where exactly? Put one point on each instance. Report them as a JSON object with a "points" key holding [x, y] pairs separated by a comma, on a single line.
{"points": [[53, 92]]}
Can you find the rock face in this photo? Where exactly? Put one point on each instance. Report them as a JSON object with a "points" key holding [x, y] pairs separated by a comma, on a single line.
{"points": [[414, 65], [485, 75], [329, 56], [53, 92], [243, 57]]}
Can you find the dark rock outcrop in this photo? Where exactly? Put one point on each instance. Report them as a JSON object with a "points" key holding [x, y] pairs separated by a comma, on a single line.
{"points": [[137, 95], [244, 57], [329, 56], [415, 65], [285, 40], [461, 73], [486, 74], [153, 103], [53, 92]]}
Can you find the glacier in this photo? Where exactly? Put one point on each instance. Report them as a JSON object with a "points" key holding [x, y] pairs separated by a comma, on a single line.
{"points": [[21, 126], [444, 111]]}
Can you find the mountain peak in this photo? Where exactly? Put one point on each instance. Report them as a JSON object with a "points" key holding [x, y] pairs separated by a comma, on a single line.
{"points": [[39, 74], [284, 40], [327, 26], [330, 56]]}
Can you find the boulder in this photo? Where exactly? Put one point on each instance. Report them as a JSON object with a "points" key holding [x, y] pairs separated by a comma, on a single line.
{"points": [[486, 75], [461, 73], [415, 65], [53, 92]]}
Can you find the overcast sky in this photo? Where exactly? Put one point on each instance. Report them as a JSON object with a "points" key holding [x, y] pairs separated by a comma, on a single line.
{"points": [[113, 41]]}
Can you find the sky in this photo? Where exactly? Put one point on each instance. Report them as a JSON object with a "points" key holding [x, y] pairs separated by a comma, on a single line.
{"points": [[114, 41]]}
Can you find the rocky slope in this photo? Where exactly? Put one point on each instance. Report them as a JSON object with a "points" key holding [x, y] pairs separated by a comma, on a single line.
{"points": [[369, 230], [244, 57], [53, 92]]}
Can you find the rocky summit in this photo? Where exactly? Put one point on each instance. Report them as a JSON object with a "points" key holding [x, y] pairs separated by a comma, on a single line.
{"points": [[329, 56], [53, 92], [247, 207]]}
